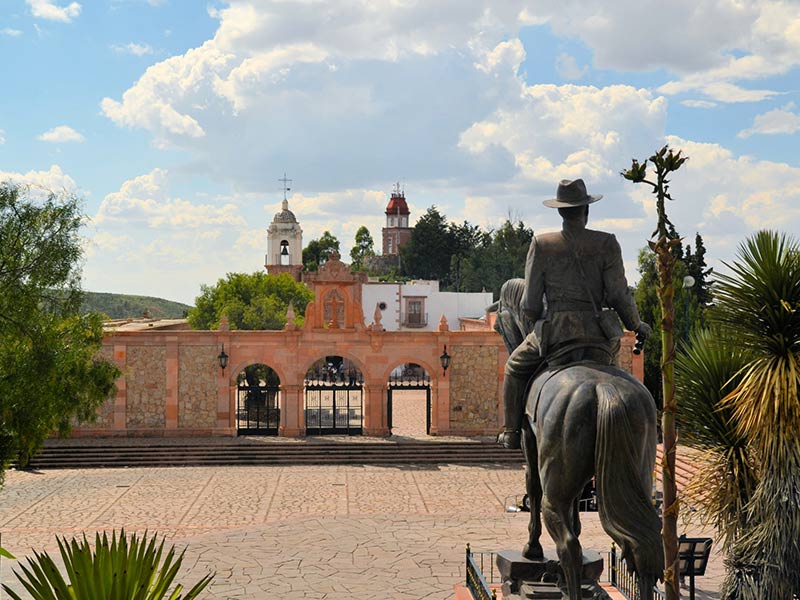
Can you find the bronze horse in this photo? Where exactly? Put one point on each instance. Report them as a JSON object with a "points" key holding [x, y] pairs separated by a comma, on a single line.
{"points": [[584, 420]]}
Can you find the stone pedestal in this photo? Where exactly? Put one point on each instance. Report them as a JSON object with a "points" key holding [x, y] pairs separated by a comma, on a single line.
{"points": [[539, 579]]}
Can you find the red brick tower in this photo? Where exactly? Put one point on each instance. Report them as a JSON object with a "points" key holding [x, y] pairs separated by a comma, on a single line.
{"points": [[397, 232]]}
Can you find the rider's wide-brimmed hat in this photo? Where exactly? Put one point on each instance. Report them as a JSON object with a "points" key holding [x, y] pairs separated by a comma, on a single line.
{"points": [[571, 193]]}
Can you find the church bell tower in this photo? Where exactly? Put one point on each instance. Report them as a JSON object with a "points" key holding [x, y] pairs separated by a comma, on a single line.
{"points": [[397, 232], [284, 241]]}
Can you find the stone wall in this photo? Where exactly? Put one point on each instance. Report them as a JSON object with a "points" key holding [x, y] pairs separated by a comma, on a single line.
{"points": [[105, 414], [474, 389], [197, 387], [146, 376]]}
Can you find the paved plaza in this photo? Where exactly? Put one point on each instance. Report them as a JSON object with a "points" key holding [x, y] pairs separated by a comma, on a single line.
{"points": [[332, 532]]}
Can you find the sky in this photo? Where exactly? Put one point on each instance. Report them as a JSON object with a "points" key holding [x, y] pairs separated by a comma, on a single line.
{"points": [[174, 120]]}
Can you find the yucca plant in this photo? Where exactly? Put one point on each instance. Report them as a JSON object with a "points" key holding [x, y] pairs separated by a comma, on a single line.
{"points": [[122, 569], [707, 370], [759, 310]]}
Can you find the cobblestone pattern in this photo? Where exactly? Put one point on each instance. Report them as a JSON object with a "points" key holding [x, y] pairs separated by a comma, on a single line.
{"points": [[473, 388], [146, 377], [334, 532], [197, 386]]}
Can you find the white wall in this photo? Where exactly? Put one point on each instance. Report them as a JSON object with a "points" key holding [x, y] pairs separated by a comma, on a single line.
{"points": [[452, 305]]}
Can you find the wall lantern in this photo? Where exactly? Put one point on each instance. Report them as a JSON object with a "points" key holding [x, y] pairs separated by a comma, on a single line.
{"points": [[223, 359], [445, 359]]}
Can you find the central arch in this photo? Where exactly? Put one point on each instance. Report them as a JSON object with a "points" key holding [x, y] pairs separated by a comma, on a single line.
{"points": [[334, 397]]}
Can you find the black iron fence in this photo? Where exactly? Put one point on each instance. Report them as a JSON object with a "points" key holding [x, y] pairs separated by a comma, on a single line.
{"points": [[476, 583], [622, 578]]}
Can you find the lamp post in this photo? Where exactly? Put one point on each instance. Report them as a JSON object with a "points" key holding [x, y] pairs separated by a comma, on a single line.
{"points": [[688, 282], [445, 359]]}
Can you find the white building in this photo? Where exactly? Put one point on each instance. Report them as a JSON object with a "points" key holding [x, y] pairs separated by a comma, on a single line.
{"points": [[420, 305]]}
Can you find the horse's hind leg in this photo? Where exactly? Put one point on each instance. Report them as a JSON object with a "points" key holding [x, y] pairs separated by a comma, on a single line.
{"points": [[560, 523], [533, 487]]}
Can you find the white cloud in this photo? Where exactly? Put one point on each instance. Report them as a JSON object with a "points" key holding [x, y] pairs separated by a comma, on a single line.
{"points": [[770, 48], [2, 137], [726, 197], [778, 121], [564, 132], [133, 48], [163, 96], [721, 91], [506, 55], [698, 103], [144, 201], [52, 180], [344, 94], [568, 68], [60, 135], [44, 9], [10, 32]]}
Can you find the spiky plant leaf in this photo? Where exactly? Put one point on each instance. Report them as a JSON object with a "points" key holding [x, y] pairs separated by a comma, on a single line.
{"points": [[706, 371], [759, 311], [120, 569]]}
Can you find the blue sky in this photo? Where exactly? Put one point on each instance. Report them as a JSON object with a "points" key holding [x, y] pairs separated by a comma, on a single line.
{"points": [[174, 120]]}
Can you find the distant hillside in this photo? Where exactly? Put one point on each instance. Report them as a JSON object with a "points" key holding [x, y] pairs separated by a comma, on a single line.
{"points": [[124, 306]]}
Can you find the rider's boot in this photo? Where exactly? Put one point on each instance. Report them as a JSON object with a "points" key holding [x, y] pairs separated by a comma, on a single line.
{"points": [[513, 399]]}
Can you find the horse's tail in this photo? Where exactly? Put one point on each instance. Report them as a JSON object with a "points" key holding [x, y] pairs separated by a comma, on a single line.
{"points": [[624, 461]]}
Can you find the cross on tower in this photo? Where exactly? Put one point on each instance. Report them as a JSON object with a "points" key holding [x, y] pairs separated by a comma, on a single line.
{"points": [[284, 180]]}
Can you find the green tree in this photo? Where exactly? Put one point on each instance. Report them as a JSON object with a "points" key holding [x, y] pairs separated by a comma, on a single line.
{"points": [[318, 251], [363, 248], [665, 162], [250, 301], [50, 370], [464, 239], [498, 256], [689, 313], [696, 267], [427, 253]]}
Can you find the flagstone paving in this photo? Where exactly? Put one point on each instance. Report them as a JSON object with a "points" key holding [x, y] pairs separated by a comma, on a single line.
{"points": [[289, 533], [333, 532]]}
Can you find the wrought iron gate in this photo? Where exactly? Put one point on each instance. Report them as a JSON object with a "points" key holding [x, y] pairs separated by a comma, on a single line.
{"points": [[410, 377], [257, 410], [334, 403]]}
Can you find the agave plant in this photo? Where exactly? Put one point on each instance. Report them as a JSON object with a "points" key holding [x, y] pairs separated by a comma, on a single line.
{"points": [[759, 309], [122, 569], [707, 370]]}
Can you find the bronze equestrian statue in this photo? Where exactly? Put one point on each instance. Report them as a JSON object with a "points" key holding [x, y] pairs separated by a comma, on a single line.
{"points": [[581, 417]]}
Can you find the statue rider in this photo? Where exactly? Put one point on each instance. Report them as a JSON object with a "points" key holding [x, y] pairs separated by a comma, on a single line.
{"points": [[569, 276]]}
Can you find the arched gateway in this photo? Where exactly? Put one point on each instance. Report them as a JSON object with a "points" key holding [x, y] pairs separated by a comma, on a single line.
{"points": [[173, 383]]}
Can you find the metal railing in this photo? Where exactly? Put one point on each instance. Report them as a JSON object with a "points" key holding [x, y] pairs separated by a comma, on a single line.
{"points": [[475, 581], [414, 319], [622, 578]]}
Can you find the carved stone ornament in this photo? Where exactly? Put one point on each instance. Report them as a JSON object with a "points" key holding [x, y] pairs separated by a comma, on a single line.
{"points": [[376, 319]]}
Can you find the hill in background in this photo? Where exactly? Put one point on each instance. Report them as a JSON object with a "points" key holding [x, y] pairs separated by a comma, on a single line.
{"points": [[126, 306]]}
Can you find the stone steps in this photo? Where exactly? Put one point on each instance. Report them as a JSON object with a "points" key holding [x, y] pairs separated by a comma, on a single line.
{"points": [[273, 453]]}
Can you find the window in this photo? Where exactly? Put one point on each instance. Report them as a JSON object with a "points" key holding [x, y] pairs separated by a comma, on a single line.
{"points": [[415, 313], [389, 245]]}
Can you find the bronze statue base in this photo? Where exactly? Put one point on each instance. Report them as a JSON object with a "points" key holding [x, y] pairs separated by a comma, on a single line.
{"points": [[539, 579]]}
